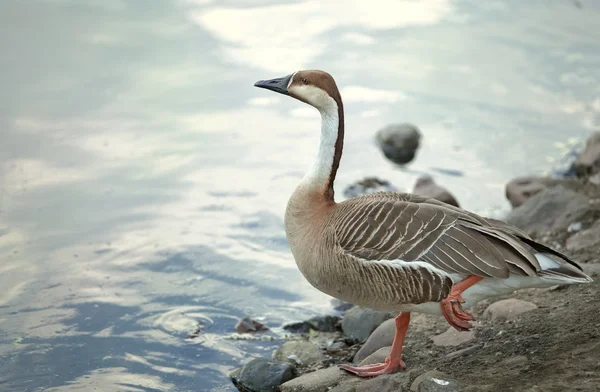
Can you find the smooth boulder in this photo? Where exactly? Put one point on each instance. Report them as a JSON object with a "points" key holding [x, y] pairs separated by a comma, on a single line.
{"points": [[551, 209], [520, 189], [262, 375], [426, 186], [399, 142], [358, 323], [300, 351], [508, 309]]}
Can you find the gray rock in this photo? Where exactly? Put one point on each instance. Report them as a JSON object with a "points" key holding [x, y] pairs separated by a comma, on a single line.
{"points": [[434, 381], [426, 186], [378, 356], [551, 209], [358, 323], [368, 185], [249, 325], [399, 142], [382, 336], [304, 352], [521, 189], [508, 309], [396, 382], [452, 337], [588, 162], [262, 375], [588, 238], [321, 380], [318, 323]]}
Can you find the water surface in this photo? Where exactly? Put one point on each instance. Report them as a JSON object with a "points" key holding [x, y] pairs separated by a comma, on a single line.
{"points": [[143, 178]]}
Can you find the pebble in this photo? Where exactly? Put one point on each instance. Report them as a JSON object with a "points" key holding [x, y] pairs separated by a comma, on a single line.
{"points": [[358, 323], [247, 324], [452, 337], [300, 351], [508, 309], [262, 375], [399, 142], [426, 186], [434, 381]]}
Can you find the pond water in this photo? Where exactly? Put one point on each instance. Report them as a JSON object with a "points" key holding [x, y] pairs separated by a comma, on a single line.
{"points": [[143, 178]]}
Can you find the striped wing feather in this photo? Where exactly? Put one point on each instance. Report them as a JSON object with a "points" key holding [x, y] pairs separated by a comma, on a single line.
{"points": [[393, 226]]}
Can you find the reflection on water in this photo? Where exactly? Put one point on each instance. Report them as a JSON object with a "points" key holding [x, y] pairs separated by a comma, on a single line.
{"points": [[143, 179]]}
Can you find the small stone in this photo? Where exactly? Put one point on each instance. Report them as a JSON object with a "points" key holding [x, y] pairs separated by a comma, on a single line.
{"points": [[382, 336], [399, 142], [247, 324], [358, 323], [585, 239], [517, 362], [304, 352], [378, 356], [588, 162], [319, 381], [368, 185], [508, 309], [464, 351], [551, 209], [520, 189], [452, 337], [434, 381], [262, 375], [426, 186], [319, 323], [574, 227]]}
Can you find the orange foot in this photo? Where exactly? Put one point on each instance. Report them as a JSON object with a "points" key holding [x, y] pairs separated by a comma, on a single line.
{"points": [[452, 305], [389, 366]]}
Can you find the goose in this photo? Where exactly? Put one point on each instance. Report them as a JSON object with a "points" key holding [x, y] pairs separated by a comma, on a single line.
{"points": [[401, 252]]}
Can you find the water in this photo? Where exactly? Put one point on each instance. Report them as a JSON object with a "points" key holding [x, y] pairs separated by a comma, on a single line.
{"points": [[143, 177]]}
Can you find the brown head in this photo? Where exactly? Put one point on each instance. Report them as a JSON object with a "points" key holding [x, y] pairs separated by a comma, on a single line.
{"points": [[314, 87]]}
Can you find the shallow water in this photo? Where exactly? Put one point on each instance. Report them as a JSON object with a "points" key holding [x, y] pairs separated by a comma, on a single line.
{"points": [[143, 177]]}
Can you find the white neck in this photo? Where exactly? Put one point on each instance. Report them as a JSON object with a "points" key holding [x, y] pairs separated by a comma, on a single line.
{"points": [[318, 174]]}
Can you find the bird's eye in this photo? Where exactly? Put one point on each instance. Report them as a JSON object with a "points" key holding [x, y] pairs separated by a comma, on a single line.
{"points": [[304, 81]]}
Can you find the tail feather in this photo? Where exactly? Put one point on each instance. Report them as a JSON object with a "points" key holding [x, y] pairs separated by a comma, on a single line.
{"points": [[555, 268]]}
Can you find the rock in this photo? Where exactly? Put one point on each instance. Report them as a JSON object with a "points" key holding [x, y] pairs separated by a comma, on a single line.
{"points": [[508, 309], [588, 162], [319, 323], [304, 352], [385, 383], [452, 337], [551, 209], [435, 381], [399, 142], [368, 185], [358, 323], [519, 362], [321, 380], [463, 351], [262, 375], [340, 306], [520, 189], [248, 325], [378, 356], [426, 186], [589, 238], [382, 336]]}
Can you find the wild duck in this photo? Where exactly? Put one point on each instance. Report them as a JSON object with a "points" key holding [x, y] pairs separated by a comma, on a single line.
{"points": [[401, 252]]}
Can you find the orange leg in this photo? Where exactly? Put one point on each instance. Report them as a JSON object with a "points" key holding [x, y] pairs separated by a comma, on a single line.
{"points": [[394, 360], [452, 308]]}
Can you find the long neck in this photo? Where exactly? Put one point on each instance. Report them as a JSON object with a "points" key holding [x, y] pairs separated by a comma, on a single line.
{"points": [[321, 175]]}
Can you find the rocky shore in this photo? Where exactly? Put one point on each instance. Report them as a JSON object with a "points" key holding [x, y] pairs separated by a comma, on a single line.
{"points": [[534, 340]]}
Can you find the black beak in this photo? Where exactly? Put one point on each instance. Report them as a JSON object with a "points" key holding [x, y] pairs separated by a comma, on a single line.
{"points": [[278, 85]]}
